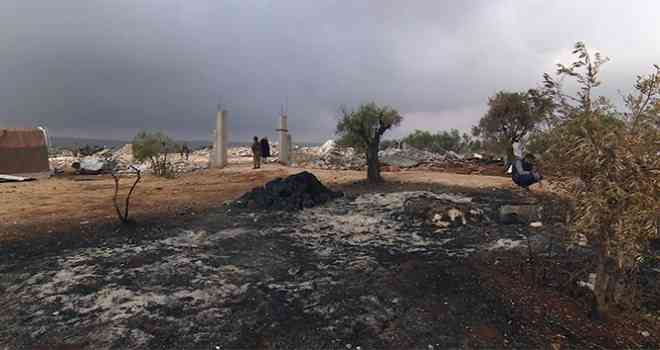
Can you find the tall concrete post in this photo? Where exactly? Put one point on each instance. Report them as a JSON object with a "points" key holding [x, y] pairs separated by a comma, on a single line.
{"points": [[289, 145], [219, 159], [284, 140]]}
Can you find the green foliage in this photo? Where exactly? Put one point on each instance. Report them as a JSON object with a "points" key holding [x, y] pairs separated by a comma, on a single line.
{"points": [[155, 148], [510, 117], [614, 156], [443, 141], [364, 128]]}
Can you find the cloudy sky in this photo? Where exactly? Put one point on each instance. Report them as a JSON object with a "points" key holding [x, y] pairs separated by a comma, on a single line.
{"points": [[107, 68]]}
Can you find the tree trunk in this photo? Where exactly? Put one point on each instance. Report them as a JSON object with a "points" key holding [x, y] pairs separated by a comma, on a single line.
{"points": [[373, 165], [617, 285], [510, 154]]}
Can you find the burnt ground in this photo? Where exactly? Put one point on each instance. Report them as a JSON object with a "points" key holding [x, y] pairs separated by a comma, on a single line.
{"points": [[373, 270]]}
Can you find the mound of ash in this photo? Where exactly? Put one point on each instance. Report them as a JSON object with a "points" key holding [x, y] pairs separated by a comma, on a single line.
{"points": [[302, 190]]}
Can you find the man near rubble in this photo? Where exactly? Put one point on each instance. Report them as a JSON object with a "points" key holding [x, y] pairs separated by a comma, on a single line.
{"points": [[265, 149], [256, 153], [185, 151], [524, 172]]}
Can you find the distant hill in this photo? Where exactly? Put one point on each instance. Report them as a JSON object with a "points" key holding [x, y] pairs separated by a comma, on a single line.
{"points": [[71, 142]]}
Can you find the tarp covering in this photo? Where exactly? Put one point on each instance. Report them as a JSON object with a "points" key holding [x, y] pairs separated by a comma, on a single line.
{"points": [[23, 151]]}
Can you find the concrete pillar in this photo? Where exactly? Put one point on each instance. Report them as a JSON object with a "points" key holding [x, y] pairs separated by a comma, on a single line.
{"points": [[289, 145], [219, 155], [284, 140]]}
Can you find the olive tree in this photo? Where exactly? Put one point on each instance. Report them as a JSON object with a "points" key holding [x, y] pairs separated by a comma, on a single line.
{"points": [[154, 147], [511, 116], [364, 128], [614, 157]]}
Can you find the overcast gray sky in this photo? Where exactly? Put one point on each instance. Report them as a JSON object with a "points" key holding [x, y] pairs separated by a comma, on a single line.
{"points": [[106, 69]]}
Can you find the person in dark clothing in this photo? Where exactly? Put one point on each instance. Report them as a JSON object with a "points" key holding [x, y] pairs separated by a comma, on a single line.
{"points": [[185, 151], [256, 154], [524, 173], [265, 149]]}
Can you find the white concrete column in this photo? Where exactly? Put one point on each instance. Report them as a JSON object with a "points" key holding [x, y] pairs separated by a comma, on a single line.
{"points": [[284, 140], [219, 155], [289, 145]]}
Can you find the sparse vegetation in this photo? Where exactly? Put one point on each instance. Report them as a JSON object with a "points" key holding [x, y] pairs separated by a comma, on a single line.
{"points": [[155, 147], [614, 156], [364, 129], [443, 141]]}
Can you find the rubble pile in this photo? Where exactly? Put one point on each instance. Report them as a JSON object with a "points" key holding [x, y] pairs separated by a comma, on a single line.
{"points": [[332, 156], [409, 157], [302, 190], [121, 161]]}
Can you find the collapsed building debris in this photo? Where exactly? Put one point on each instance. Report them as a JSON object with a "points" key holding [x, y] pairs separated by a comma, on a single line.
{"points": [[332, 156], [302, 190], [328, 156]]}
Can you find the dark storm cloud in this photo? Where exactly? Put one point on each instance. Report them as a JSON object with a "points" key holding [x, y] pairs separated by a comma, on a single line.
{"points": [[109, 68]]}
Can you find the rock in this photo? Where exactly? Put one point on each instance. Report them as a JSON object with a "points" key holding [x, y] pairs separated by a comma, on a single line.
{"points": [[518, 214], [441, 213]]}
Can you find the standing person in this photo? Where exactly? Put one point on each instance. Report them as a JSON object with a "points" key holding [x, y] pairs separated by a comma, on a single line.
{"points": [[256, 154], [524, 172], [265, 149], [185, 150]]}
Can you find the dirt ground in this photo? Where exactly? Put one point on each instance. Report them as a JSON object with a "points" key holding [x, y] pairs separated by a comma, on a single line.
{"points": [[73, 202], [368, 271]]}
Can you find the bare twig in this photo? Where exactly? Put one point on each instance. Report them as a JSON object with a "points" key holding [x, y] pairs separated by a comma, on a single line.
{"points": [[114, 198], [124, 217], [130, 192]]}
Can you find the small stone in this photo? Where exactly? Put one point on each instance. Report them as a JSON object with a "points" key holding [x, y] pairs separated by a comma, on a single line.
{"points": [[349, 346], [645, 334], [536, 224]]}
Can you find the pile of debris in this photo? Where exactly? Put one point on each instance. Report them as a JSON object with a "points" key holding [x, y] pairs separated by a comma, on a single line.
{"points": [[121, 161], [410, 157], [333, 157], [296, 192]]}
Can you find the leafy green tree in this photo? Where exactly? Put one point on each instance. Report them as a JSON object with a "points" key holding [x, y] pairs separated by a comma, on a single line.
{"points": [[511, 116], [442, 141], [363, 129], [155, 147], [614, 156]]}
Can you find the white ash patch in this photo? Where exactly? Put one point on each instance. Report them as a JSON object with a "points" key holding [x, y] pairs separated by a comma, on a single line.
{"points": [[505, 244], [371, 220], [103, 288]]}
